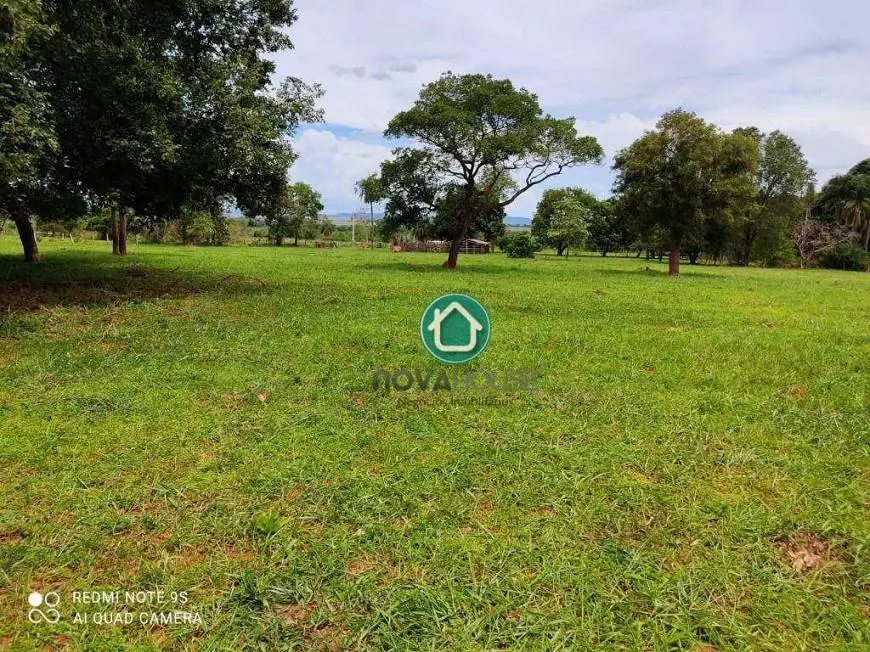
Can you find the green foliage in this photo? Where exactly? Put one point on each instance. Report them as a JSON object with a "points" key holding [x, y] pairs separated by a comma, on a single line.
{"points": [[845, 200], [763, 230], [369, 189], [570, 223], [600, 219], [162, 108], [473, 132], [28, 143], [682, 173], [847, 256], [519, 245], [296, 214], [267, 524]]}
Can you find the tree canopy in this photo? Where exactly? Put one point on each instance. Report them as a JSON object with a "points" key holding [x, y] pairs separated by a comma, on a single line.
{"points": [[471, 133], [682, 173], [598, 218], [154, 107], [299, 205], [781, 178], [845, 200]]}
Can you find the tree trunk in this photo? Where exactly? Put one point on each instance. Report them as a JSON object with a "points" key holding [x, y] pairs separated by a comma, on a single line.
{"points": [[453, 256], [279, 240], [748, 243], [122, 231], [456, 245], [674, 262], [113, 229], [28, 238]]}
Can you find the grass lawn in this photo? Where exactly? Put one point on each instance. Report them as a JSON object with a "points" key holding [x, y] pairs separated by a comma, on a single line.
{"points": [[692, 472]]}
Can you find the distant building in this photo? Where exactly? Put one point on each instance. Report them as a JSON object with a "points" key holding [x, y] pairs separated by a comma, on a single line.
{"points": [[469, 246]]}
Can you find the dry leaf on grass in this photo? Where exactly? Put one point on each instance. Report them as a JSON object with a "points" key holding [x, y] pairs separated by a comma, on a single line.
{"points": [[805, 552]]}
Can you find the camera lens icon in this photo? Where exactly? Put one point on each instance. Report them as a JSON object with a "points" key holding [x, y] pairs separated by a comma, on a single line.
{"points": [[49, 601]]}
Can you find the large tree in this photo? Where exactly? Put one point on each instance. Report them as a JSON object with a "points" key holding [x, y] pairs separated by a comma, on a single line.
{"points": [[471, 131], [599, 212], [27, 137], [781, 179], [685, 171], [570, 223], [845, 200], [168, 107], [300, 205]]}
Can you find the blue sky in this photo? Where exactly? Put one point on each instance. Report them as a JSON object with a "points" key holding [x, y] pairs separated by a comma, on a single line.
{"points": [[616, 65]]}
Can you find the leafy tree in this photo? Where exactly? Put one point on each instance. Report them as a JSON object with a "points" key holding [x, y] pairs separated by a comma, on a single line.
{"points": [[847, 257], [569, 224], [607, 230], [300, 205], [600, 217], [472, 131], [165, 107], [845, 200], [27, 137], [679, 174], [781, 178]]}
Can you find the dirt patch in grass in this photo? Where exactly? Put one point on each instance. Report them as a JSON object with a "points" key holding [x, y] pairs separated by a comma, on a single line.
{"points": [[296, 614], [11, 538], [360, 566], [805, 552], [800, 391]]}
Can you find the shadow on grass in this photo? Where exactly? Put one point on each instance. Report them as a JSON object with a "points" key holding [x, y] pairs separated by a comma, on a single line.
{"points": [[661, 270], [433, 267], [85, 279]]}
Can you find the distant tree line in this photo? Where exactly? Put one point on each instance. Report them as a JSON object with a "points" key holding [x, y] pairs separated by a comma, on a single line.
{"points": [[687, 189], [683, 189], [158, 111]]}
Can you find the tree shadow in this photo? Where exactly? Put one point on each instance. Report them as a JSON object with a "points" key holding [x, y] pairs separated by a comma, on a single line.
{"points": [[404, 266], [83, 279], [662, 270]]}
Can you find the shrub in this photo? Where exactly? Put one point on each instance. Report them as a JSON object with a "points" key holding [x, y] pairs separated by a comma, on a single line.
{"points": [[519, 245], [849, 257]]}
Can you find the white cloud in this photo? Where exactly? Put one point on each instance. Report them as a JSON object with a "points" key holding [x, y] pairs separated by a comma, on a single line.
{"points": [[796, 65], [332, 165]]}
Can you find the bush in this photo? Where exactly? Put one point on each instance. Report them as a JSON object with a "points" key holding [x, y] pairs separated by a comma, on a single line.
{"points": [[849, 257], [519, 245]]}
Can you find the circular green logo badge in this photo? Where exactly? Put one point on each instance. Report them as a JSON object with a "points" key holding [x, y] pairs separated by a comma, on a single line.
{"points": [[455, 328]]}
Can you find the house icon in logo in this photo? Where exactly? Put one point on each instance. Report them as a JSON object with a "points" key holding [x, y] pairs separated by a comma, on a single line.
{"points": [[474, 327]]}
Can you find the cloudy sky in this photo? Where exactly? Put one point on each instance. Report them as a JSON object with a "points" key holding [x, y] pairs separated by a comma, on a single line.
{"points": [[800, 66]]}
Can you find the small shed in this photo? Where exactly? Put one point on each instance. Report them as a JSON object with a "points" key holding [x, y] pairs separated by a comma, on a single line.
{"points": [[468, 246]]}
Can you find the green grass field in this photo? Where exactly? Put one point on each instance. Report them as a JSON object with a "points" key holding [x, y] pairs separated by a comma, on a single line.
{"points": [[691, 474]]}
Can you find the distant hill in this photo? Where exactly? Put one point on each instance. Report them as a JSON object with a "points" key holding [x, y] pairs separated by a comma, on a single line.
{"points": [[513, 220]]}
